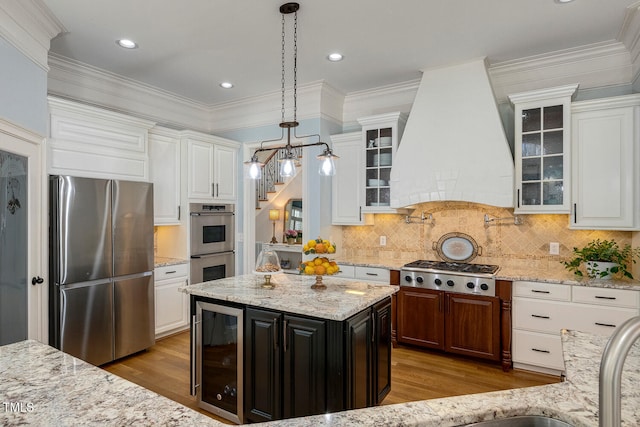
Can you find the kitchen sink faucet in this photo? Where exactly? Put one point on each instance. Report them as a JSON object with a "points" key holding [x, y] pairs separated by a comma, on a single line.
{"points": [[613, 357]]}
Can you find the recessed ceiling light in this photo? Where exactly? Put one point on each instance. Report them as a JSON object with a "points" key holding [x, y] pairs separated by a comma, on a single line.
{"points": [[127, 44], [563, 1], [335, 57], [226, 85]]}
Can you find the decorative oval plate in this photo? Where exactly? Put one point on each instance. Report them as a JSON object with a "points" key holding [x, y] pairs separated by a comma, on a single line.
{"points": [[457, 247]]}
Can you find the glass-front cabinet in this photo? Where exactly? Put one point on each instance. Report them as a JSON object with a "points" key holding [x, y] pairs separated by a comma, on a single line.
{"points": [[542, 158], [380, 139]]}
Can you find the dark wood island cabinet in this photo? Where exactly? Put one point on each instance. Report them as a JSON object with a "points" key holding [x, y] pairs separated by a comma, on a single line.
{"points": [[297, 364]]}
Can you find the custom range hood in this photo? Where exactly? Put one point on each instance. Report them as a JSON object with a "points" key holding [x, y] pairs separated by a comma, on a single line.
{"points": [[454, 146]]}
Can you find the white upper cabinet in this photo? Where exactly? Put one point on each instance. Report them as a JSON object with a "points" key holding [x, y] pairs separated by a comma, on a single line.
{"points": [[379, 142], [542, 143], [225, 159], [95, 143], [605, 164], [211, 168], [348, 186], [164, 172]]}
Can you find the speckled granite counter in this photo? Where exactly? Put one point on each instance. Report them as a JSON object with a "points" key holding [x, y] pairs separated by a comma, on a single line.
{"points": [[506, 273], [166, 261], [293, 294], [53, 388], [574, 401], [42, 386]]}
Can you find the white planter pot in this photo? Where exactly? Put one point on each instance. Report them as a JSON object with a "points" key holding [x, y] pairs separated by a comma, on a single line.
{"points": [[595, 269]]}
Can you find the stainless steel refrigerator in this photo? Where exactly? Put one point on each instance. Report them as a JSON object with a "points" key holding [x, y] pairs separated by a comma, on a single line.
{"points": [[101, 296]]}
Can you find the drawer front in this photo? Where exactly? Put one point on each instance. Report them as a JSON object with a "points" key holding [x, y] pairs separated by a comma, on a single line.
{"points": [[600, 320], [538, 349], [171, 271], [372, 274], [550, 291], [542, 316], [347, 272], [606, 296]]}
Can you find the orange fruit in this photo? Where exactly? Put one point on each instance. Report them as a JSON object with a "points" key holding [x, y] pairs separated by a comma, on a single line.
{"points": [[320, 269], [333, 263], [320, 249]]}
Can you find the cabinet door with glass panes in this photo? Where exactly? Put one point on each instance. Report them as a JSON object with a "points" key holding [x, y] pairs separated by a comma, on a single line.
{"points": [[380, 140], [542, 141]]}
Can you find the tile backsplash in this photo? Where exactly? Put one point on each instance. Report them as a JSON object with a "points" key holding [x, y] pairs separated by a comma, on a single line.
{"points": [[502, 242]]}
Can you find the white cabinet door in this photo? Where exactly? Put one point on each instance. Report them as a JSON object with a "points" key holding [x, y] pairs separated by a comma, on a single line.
{"points": [[542, 143], [171, 305], [200, 182], [164, 172], [225, 172], [605, 166], [348, 186]]}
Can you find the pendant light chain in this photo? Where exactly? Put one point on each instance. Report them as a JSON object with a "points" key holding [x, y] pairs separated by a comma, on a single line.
{"points": [[295, 66], [282, 77]]}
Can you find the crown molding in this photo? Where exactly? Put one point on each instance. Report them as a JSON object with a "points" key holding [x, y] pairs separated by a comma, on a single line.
{"points": [[314, 100], [78, 81], [29, 26], [596, 65], [629, 35], [396, 97]]}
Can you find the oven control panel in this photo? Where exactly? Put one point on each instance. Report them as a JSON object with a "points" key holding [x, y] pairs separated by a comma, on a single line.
{"points": [[450, 282]]}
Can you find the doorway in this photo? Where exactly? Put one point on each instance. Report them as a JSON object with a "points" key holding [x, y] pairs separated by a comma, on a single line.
{"points": [[23, 313]]}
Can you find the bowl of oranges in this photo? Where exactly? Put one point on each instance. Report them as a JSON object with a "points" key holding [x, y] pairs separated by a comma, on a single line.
{"points": [[320, 265]]}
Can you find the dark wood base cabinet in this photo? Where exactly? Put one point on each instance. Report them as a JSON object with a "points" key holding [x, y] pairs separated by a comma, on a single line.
{"points": [[297, 366], [472, 325]]}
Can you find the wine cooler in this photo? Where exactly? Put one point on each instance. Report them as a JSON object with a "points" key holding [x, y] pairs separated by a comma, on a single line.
{"points": [[216, 360]]}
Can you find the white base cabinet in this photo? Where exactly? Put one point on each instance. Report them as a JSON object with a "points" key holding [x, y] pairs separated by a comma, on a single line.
{"points": [[171, 305], [542, 310], [606, 159], [365, 274]]}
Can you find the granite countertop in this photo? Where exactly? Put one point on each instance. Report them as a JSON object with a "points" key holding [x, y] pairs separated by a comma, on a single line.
{"points": [[560, 275], [53, 388], [574, 401], [293, 294], [42, 386], [166, 261]]}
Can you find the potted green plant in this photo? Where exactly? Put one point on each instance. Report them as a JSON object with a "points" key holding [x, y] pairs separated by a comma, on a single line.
{"points": [[603, 258]]}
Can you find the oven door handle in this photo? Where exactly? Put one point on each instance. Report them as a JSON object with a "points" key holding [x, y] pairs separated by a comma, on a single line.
{"points": [[212, 255], [212, 213]]}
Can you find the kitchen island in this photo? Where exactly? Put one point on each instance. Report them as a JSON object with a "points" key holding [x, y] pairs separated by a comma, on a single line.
{"points": [[294, 350]]}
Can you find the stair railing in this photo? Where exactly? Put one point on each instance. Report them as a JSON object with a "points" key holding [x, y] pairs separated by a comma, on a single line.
{"points": [[271, 173]]}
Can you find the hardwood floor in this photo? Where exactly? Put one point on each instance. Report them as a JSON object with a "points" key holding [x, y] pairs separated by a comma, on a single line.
{"points": [[415, 374]]}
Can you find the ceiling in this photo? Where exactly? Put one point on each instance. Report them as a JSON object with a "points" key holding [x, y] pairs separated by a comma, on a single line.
{"points": [[189, 47]]}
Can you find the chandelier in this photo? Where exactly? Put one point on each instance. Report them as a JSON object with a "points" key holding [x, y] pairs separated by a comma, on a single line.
{"points": [[289, 160]]}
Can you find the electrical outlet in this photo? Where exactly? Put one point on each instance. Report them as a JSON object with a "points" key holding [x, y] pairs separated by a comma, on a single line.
{"points": [[383, 240], [554, 248]]}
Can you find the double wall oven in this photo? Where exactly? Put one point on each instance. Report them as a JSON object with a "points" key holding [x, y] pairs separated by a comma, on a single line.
{"points": [[212, 241]]}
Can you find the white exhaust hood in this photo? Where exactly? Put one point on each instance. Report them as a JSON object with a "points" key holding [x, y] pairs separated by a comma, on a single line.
{"points": [[454, 146]]}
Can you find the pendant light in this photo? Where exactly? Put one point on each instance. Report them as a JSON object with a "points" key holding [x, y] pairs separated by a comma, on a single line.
{"points": [[288, 162]]}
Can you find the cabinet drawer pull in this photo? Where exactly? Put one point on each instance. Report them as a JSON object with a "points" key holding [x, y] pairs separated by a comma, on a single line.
{"points": [[275, 333], [284, 335], [535, 291], [538, 316], [372, 274], [601, 297], [170, 272], [609, 325], [540, 351]]}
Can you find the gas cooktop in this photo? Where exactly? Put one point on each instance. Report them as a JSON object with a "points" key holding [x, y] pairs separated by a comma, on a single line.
{"points": [[462, 267]]}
